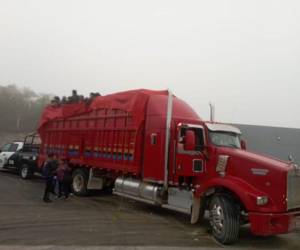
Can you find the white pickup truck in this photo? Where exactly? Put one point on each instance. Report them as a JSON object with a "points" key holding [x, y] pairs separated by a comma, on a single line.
{"points": [[21, 156], [7, 152]]}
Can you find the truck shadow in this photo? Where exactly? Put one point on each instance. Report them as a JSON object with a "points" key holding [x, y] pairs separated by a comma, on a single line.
{"points": [[202, 229], [14, 173], [119, 221], [267, 242]]}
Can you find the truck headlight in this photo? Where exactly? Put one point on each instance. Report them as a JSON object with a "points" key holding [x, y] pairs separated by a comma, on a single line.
{"points": [[261, 200]]}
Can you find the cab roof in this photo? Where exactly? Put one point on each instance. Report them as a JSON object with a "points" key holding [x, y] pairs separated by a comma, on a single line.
{"points": [[222, 127]]}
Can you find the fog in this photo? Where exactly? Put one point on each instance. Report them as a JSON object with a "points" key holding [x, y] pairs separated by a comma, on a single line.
{"points": [[243, 56]]}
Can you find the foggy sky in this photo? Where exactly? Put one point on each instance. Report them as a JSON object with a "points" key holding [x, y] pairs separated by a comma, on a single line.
{"points": [[243, 56]]}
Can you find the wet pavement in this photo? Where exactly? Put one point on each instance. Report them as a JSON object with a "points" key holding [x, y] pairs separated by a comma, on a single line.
{"points": [[105, 221]]}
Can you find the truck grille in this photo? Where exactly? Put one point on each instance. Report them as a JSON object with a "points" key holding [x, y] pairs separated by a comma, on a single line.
{"points": [[293, 189]]}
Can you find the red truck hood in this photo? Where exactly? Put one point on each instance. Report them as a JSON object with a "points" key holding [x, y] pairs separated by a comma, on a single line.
{"points": [[256, 160], [264, 173]]}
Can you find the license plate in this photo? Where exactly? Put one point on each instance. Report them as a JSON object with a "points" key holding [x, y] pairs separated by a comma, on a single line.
{"points": [[11, 162]]}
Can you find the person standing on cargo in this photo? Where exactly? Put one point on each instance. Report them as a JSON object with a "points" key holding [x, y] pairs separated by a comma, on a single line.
{"points": [[48, 172], [63, 173]]}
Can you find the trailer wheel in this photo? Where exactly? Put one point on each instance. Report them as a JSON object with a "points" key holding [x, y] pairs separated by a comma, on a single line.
{"points": [[79, 182], [224, 219], [25, 171]]}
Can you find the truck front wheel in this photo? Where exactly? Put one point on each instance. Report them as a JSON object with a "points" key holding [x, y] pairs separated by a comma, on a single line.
{"points": [[224, 219], [79, 182], [25, 171]]}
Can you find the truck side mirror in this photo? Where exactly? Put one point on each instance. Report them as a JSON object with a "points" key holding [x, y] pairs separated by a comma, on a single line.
{"points": [[243, 144], [190, 140]]}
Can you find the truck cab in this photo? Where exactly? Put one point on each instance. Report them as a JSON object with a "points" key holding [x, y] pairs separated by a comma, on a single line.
{"points": [[235, 185]]}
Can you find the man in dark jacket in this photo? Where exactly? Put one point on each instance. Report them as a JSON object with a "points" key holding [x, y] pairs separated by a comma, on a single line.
{"points": [[48, 172]]}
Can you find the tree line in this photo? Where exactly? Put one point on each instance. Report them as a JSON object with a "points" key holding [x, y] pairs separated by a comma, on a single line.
{"points": [[20, 108]]}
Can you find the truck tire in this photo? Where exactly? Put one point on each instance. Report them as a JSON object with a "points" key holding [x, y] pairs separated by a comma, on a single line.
{"points": [[79, 182], [224, 219], [25, 171]]}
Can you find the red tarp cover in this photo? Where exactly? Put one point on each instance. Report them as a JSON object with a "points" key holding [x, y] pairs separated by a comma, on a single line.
{"points": [[133, 101]]}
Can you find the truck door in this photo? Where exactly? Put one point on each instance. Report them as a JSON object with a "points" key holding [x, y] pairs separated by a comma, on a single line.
{"points": [[190, 160]]}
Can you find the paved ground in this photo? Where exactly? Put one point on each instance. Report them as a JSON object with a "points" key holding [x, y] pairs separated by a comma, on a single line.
{"points": [[104, 221]]}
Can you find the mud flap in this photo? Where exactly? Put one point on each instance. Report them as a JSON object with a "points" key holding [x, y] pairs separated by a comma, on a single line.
{"points": [[195, 210], [95, 183]]}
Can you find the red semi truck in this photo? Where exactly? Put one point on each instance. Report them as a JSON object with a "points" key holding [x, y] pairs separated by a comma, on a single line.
{"points": [[152, 147]]}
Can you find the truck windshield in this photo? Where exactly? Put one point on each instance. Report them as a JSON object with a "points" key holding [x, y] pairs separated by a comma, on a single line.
{"points": [[224, 139], [11, 147]]}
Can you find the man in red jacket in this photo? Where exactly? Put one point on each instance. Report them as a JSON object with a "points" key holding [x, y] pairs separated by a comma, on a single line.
{"points": [[63, 173]]}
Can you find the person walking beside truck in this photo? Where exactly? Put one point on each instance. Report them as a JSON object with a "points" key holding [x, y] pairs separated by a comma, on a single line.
{"points": [[48, 172], [63, 173]]}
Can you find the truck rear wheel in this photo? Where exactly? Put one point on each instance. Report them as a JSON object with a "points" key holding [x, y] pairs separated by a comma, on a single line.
{"points": [[25, 171], [79, 182], [224, 219]]}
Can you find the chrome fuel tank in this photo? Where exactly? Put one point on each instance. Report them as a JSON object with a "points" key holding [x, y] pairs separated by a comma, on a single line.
{"points": [[138, 189]]}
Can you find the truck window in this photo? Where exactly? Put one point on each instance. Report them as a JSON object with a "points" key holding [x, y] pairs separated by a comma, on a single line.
{"points": [[198, 133], [6, 147], [11, 147], [224, 139]]}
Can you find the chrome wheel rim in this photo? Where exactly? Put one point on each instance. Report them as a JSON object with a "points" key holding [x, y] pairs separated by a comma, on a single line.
{"points": [[24, 172], [78, 183], [217, 218]]}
